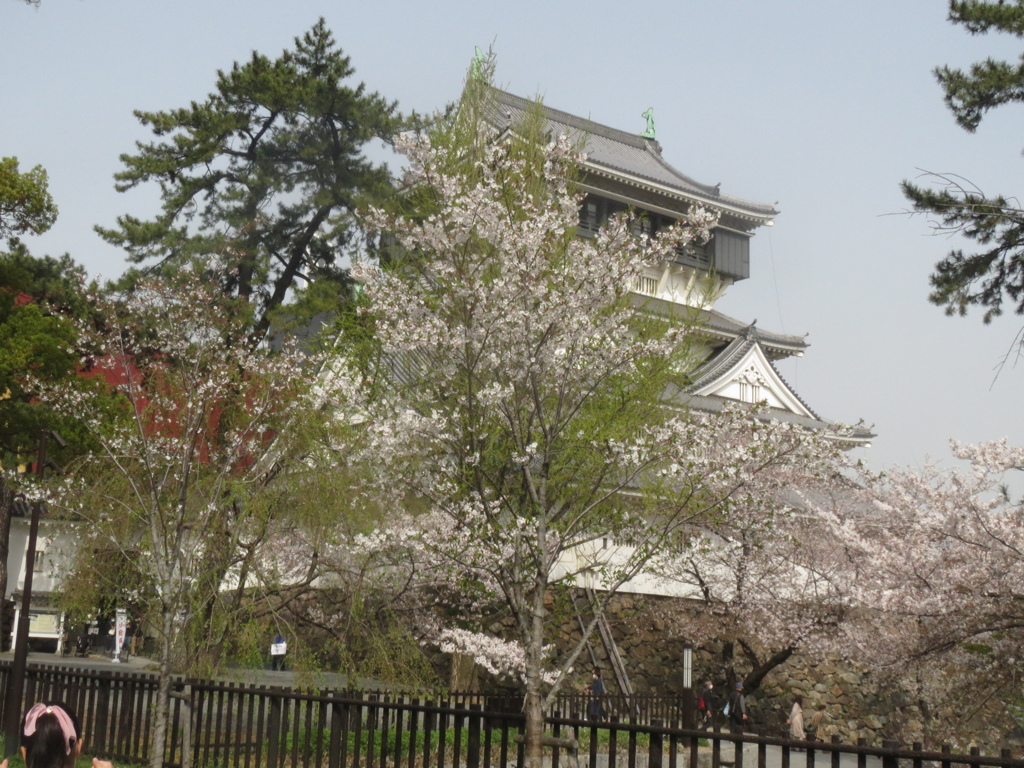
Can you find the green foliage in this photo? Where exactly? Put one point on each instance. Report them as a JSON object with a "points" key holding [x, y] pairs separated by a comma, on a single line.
{"points": [[962, 280], [373, 643], [39, 299], [55, 282], [259, 181], [456, 133], [989, 83], [374, 740], [25, 203], [996, 272], [101, 580]]}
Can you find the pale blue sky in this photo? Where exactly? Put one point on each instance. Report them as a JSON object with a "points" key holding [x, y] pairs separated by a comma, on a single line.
{"points": [[821, 106]]}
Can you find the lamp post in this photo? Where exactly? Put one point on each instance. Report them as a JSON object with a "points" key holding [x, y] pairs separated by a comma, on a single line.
{"points": [[16, 689], [689, 719]]}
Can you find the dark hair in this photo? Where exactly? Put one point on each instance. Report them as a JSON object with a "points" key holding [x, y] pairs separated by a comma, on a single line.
{"points": [[799, 699], [47, 746]]}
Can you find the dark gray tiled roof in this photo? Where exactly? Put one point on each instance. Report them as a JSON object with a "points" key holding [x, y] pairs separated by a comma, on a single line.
{"points": [[715, 323], [856, 434], [782, 342], [843, 494], [627, 154]]}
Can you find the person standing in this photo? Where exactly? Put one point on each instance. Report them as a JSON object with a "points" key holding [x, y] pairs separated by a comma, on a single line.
{"points": [[596, 692], [814, 728], [737, 706], [706, 705], [796, 720]]}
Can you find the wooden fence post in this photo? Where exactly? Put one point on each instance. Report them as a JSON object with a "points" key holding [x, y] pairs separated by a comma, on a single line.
{"points": [[473, 738], [556, 732], [337, 724], [274, 732], [656, 745], [890, 761], [99, 734]]}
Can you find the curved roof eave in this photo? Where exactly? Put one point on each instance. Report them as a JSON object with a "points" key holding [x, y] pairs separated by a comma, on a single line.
{"points": [[856, 436], [716, 324], [724, 204], [640, 160]]}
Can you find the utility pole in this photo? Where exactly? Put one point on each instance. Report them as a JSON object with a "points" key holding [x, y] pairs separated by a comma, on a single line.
{"points": [[16, 689]]}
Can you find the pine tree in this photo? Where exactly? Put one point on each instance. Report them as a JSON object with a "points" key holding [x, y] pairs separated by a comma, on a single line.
{"points": [[259, 181], [996, 271], [25, 203]]}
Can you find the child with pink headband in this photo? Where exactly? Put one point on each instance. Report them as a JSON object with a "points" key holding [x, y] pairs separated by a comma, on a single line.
{"points": [[51, 737]]}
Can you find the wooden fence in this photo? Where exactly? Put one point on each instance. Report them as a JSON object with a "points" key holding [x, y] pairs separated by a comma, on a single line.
{"points": [[226, 725]]}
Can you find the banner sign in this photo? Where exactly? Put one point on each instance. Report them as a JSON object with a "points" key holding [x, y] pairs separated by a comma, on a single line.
{"points": [[120, 630]]}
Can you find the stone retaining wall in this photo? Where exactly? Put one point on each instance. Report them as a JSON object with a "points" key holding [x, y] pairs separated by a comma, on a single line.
{"points": [[855, 705]]}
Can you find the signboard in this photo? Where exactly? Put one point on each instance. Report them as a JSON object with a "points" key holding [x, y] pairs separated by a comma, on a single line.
{"points": [[43, 624], [120, 631]]}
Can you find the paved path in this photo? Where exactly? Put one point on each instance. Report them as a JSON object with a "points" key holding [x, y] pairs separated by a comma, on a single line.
{"points": [[773, 759], [797, 759]]}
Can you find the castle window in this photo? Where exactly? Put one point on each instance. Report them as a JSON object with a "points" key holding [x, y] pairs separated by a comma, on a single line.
{"points": [[645, 285], [590, 216], [643, 224]]}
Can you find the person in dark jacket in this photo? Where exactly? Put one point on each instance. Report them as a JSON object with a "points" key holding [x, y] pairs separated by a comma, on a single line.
{"points": [[706, 706], [737, 709], [596, 691]]}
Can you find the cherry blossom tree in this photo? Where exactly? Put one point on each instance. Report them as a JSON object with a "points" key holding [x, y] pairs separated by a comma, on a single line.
{"points": [[522, 419], [941, 562], [774, 581], [180, 491], [912, 575]]}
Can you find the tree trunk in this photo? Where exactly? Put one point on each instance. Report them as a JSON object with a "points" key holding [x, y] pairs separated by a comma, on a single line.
{"points": [[6, 507], [760, 670], [534, 711], [163, 692]]}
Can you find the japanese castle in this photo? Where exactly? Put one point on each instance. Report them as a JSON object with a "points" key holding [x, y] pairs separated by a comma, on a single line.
{"points": [[625, 170]]}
